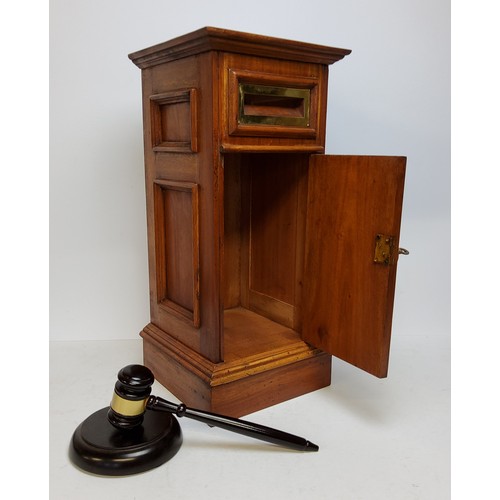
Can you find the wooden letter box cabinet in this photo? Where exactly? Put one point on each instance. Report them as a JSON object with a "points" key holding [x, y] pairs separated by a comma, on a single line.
{"points": [[266, 256]]}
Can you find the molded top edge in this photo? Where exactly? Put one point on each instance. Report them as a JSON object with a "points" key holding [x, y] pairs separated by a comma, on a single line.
{"points": [[210, 38]]}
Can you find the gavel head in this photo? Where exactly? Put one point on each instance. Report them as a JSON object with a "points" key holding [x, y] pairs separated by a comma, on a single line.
{"points": [[130, 397]]}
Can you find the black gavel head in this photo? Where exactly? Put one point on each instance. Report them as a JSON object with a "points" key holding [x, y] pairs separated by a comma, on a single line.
{"points": [[130, 397]]}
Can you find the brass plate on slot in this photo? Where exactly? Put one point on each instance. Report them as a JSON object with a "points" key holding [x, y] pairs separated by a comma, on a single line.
{"points": [[383, 249], [272, 105]]}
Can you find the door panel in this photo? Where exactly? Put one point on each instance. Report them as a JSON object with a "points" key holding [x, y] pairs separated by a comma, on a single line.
{"points": [[348, 296]]}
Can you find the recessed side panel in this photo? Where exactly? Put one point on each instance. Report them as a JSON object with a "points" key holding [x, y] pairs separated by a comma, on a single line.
{"points": [[174, 121], [177, 248], [353, 203]]}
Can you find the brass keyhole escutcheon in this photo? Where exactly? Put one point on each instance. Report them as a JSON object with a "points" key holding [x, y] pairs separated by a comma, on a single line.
{"points": [[384, 250]]}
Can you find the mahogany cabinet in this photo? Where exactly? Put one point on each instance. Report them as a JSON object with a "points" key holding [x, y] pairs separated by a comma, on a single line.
{"points": [[266, 256]]}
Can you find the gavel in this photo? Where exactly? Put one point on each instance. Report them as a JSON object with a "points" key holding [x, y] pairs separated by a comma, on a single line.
{"points": [[127, 438], [132, 398]]}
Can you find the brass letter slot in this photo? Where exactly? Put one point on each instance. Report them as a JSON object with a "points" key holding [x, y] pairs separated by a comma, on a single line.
{"points": [[269, 105]]}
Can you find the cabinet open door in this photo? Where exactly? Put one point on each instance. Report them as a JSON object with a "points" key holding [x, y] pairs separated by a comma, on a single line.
{"points": [[352, 241]]}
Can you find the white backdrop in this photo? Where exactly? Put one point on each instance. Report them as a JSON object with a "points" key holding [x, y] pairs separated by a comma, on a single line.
{"points": [[391, 96]]}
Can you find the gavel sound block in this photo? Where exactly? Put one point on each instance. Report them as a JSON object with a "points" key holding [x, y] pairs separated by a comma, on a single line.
{"points": [[125, 438]]}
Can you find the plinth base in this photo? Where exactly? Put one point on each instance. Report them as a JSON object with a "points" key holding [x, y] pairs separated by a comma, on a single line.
{"points": [[97, 447], [265, 364]]}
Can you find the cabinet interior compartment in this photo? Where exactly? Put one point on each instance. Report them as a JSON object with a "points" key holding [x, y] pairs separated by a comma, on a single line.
{"points": [[265, 199]]}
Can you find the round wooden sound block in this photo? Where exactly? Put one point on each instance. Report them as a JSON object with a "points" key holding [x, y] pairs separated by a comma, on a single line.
{"points": [[99, 448]]}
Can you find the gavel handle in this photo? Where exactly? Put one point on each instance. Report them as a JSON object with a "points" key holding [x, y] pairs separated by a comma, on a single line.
{"points": [[243, 427]]}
